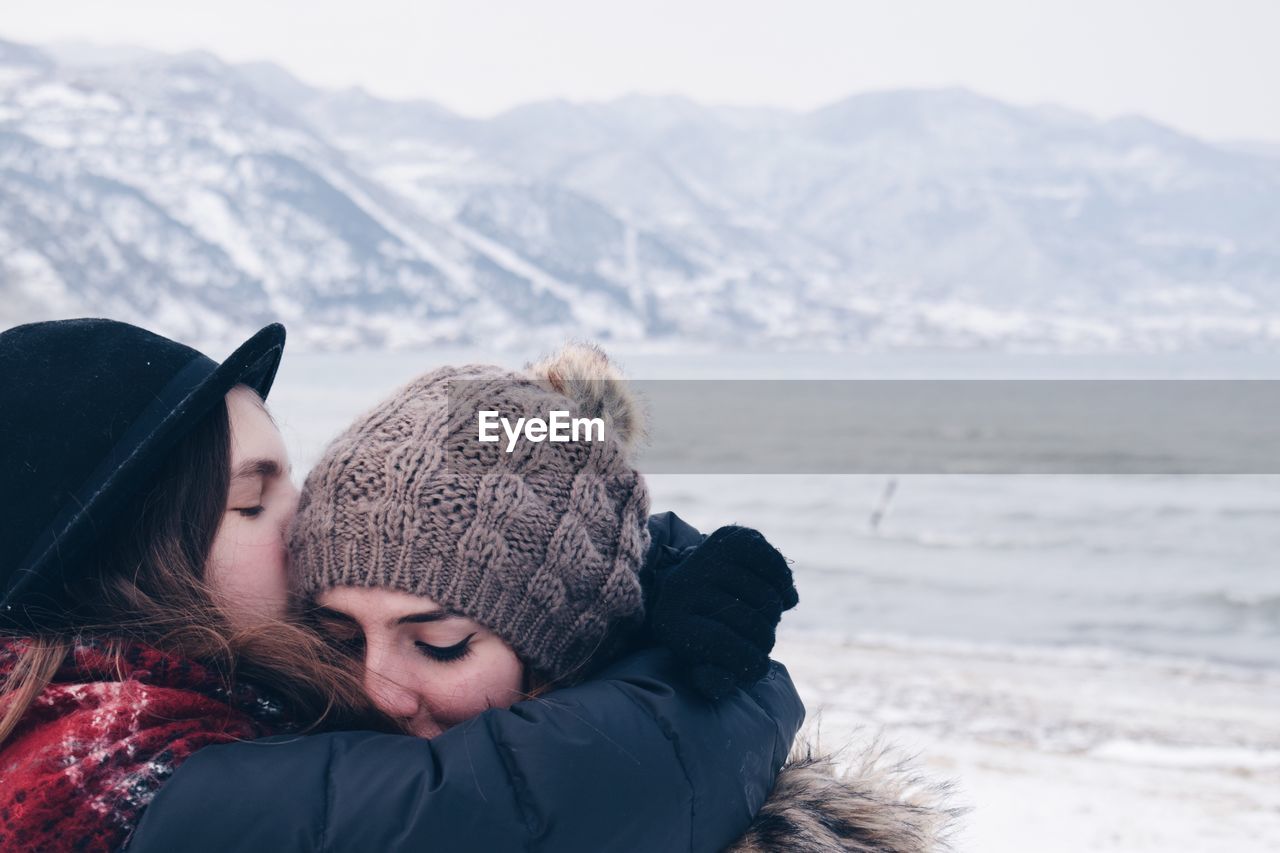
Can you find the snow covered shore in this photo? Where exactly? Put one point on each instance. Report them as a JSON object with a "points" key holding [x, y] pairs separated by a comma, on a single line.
{"points": [[1063, 750]]}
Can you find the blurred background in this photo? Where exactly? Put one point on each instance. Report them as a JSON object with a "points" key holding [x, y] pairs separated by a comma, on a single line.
{"points": [[924, 190]]}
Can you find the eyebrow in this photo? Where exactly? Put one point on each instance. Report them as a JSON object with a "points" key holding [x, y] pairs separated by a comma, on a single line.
{"points": [[265, 468], [427, 616], [327, 613], [423, 618]]}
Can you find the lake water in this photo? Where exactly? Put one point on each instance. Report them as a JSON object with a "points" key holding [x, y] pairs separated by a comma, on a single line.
{"points": [[1169, 565]]}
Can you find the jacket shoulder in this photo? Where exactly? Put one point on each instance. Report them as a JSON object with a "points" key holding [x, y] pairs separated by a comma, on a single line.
{"points": [[624, 762]]}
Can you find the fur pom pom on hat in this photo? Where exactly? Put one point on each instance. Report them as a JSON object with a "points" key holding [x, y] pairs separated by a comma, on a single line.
{"points": [[542, 542], [583, 373]]}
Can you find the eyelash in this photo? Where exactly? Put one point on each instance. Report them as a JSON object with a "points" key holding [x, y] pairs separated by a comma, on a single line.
{"points": [[251, 511], [447, 654]]}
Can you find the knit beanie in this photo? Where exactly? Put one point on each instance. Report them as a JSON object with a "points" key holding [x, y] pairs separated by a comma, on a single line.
{"points": [[541, 543]]}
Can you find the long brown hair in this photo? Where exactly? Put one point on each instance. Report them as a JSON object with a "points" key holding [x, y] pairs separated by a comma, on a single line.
{"points": [[149, 586]]}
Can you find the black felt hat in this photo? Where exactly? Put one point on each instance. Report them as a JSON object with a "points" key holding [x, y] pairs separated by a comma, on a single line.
{"points": [[88, 411]]}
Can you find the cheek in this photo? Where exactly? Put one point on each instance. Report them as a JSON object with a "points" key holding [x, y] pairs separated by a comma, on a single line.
{"points": [[247, 567], [472, 687]]}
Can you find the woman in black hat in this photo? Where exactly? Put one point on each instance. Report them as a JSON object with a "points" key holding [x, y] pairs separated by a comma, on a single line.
{"points": [[146, 663]]}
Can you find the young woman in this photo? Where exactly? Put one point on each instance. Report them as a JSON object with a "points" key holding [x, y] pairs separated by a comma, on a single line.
{"points": [[466, 576], [153, 692]]}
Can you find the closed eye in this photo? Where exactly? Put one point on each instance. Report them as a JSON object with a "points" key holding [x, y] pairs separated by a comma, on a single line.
{"points": [[251, 511], [446, 654]]}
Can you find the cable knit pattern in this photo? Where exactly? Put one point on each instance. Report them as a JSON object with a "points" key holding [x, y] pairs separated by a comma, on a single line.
{"points": [[543, 545]]}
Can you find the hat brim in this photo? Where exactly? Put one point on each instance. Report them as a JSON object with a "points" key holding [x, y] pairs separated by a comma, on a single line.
{"points": [[254, 363], [177, 409]]}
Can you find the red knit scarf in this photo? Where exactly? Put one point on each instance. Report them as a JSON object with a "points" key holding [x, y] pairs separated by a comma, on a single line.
{"points": [[97, 744]]}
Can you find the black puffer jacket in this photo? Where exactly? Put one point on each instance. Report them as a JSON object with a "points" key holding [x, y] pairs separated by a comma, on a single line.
{"points": [[627, 762]]}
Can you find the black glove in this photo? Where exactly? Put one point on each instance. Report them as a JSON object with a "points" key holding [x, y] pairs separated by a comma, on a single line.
{"points": [[718, 608]]}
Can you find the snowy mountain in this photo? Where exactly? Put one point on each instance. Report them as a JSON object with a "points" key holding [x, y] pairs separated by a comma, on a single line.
{"points": [[203, 199]]}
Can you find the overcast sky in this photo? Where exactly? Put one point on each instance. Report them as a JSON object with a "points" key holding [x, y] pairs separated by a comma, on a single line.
{"points": [[1208, 67]]}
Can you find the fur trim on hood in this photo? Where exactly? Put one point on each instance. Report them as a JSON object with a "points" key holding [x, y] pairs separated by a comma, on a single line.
{"points": [[879, 805]]}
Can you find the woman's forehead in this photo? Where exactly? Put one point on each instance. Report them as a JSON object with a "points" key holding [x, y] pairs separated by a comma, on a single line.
{"points": [[253, 434], [383, 606]]}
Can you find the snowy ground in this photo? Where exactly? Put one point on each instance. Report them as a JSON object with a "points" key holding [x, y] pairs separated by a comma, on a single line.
{"points": [[1064, 750]]}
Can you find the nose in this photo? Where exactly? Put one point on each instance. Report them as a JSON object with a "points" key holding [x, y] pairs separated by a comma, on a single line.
{"points": [[383, 684], [289, 505]]}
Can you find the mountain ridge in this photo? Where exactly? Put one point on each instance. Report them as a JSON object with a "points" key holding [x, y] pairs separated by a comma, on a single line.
{"points": [[205, 197]]}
